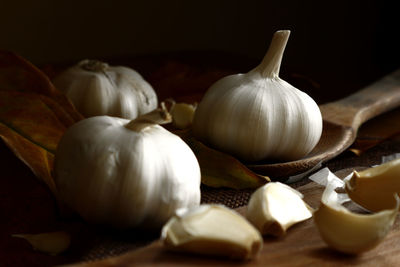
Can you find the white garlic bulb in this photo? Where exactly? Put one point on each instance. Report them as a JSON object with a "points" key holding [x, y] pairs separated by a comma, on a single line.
{"points": [[126, 173], [95, 88], [257, 115]]}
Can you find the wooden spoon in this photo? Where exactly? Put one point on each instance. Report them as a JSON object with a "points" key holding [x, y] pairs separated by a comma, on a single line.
{"points": [[341, 120]]}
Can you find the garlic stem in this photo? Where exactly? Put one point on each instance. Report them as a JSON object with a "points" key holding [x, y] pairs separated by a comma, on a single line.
{"points": [[157, 116], [271, 64], [93, 65], [97, 66]]}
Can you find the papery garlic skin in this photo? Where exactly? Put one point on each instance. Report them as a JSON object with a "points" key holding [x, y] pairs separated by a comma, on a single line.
{"points": [[212, 230], [95, 88], [113, 175], [257, 115], [275, 207]]}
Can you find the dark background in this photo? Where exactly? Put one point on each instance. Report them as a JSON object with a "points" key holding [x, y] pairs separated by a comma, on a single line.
{"points": [[341, 45]]}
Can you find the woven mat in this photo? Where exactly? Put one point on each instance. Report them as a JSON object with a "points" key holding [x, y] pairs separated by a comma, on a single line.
{"points": [[110, 244]]}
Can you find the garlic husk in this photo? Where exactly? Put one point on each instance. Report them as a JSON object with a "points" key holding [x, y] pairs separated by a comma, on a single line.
{"points": [[52, 243], [95, 88], [350, 232], [275, 207], [212, 230], [126, 173], [373, 188], [257, 115]]}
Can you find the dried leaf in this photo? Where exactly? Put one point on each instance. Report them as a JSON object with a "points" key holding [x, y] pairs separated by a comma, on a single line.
{"points": [[222, 170], [17, 74], [33, 115], [52, 243]]}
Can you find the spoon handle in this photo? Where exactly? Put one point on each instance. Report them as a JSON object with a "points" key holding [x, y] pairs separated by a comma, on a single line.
{"points": [[365, 104]]}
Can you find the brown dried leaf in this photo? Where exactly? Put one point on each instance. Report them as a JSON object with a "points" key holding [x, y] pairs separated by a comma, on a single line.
{"points": [[17, 74], [52, 243], [33, 115], [222, 170]]}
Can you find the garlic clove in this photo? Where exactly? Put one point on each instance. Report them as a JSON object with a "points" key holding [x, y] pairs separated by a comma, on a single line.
{"points": [[373, 188], [258, 116], [182, 115], [274, 207], [52, 243], [350, 232], [212, 230]]}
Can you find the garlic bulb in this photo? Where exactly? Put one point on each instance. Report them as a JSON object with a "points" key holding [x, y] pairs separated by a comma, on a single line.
{"points": [[257, 115], [95, 88], [126, 173]]}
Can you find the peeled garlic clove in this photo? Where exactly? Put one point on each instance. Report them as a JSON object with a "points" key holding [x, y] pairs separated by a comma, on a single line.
{"points": [[96, 88], [257, 115], [350, 232], [182, 115], [275, 207], [373, 188], [212, 230], [52, 243]]}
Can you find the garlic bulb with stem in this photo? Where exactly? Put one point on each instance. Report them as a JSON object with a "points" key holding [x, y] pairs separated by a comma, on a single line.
{"points": [[95, 88], [258, 116], [126, 173]]}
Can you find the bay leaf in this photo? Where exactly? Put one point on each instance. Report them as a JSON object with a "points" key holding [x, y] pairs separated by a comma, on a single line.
{"points": [[52, 243], [33, 115], [219, 169], [18, 74]]}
